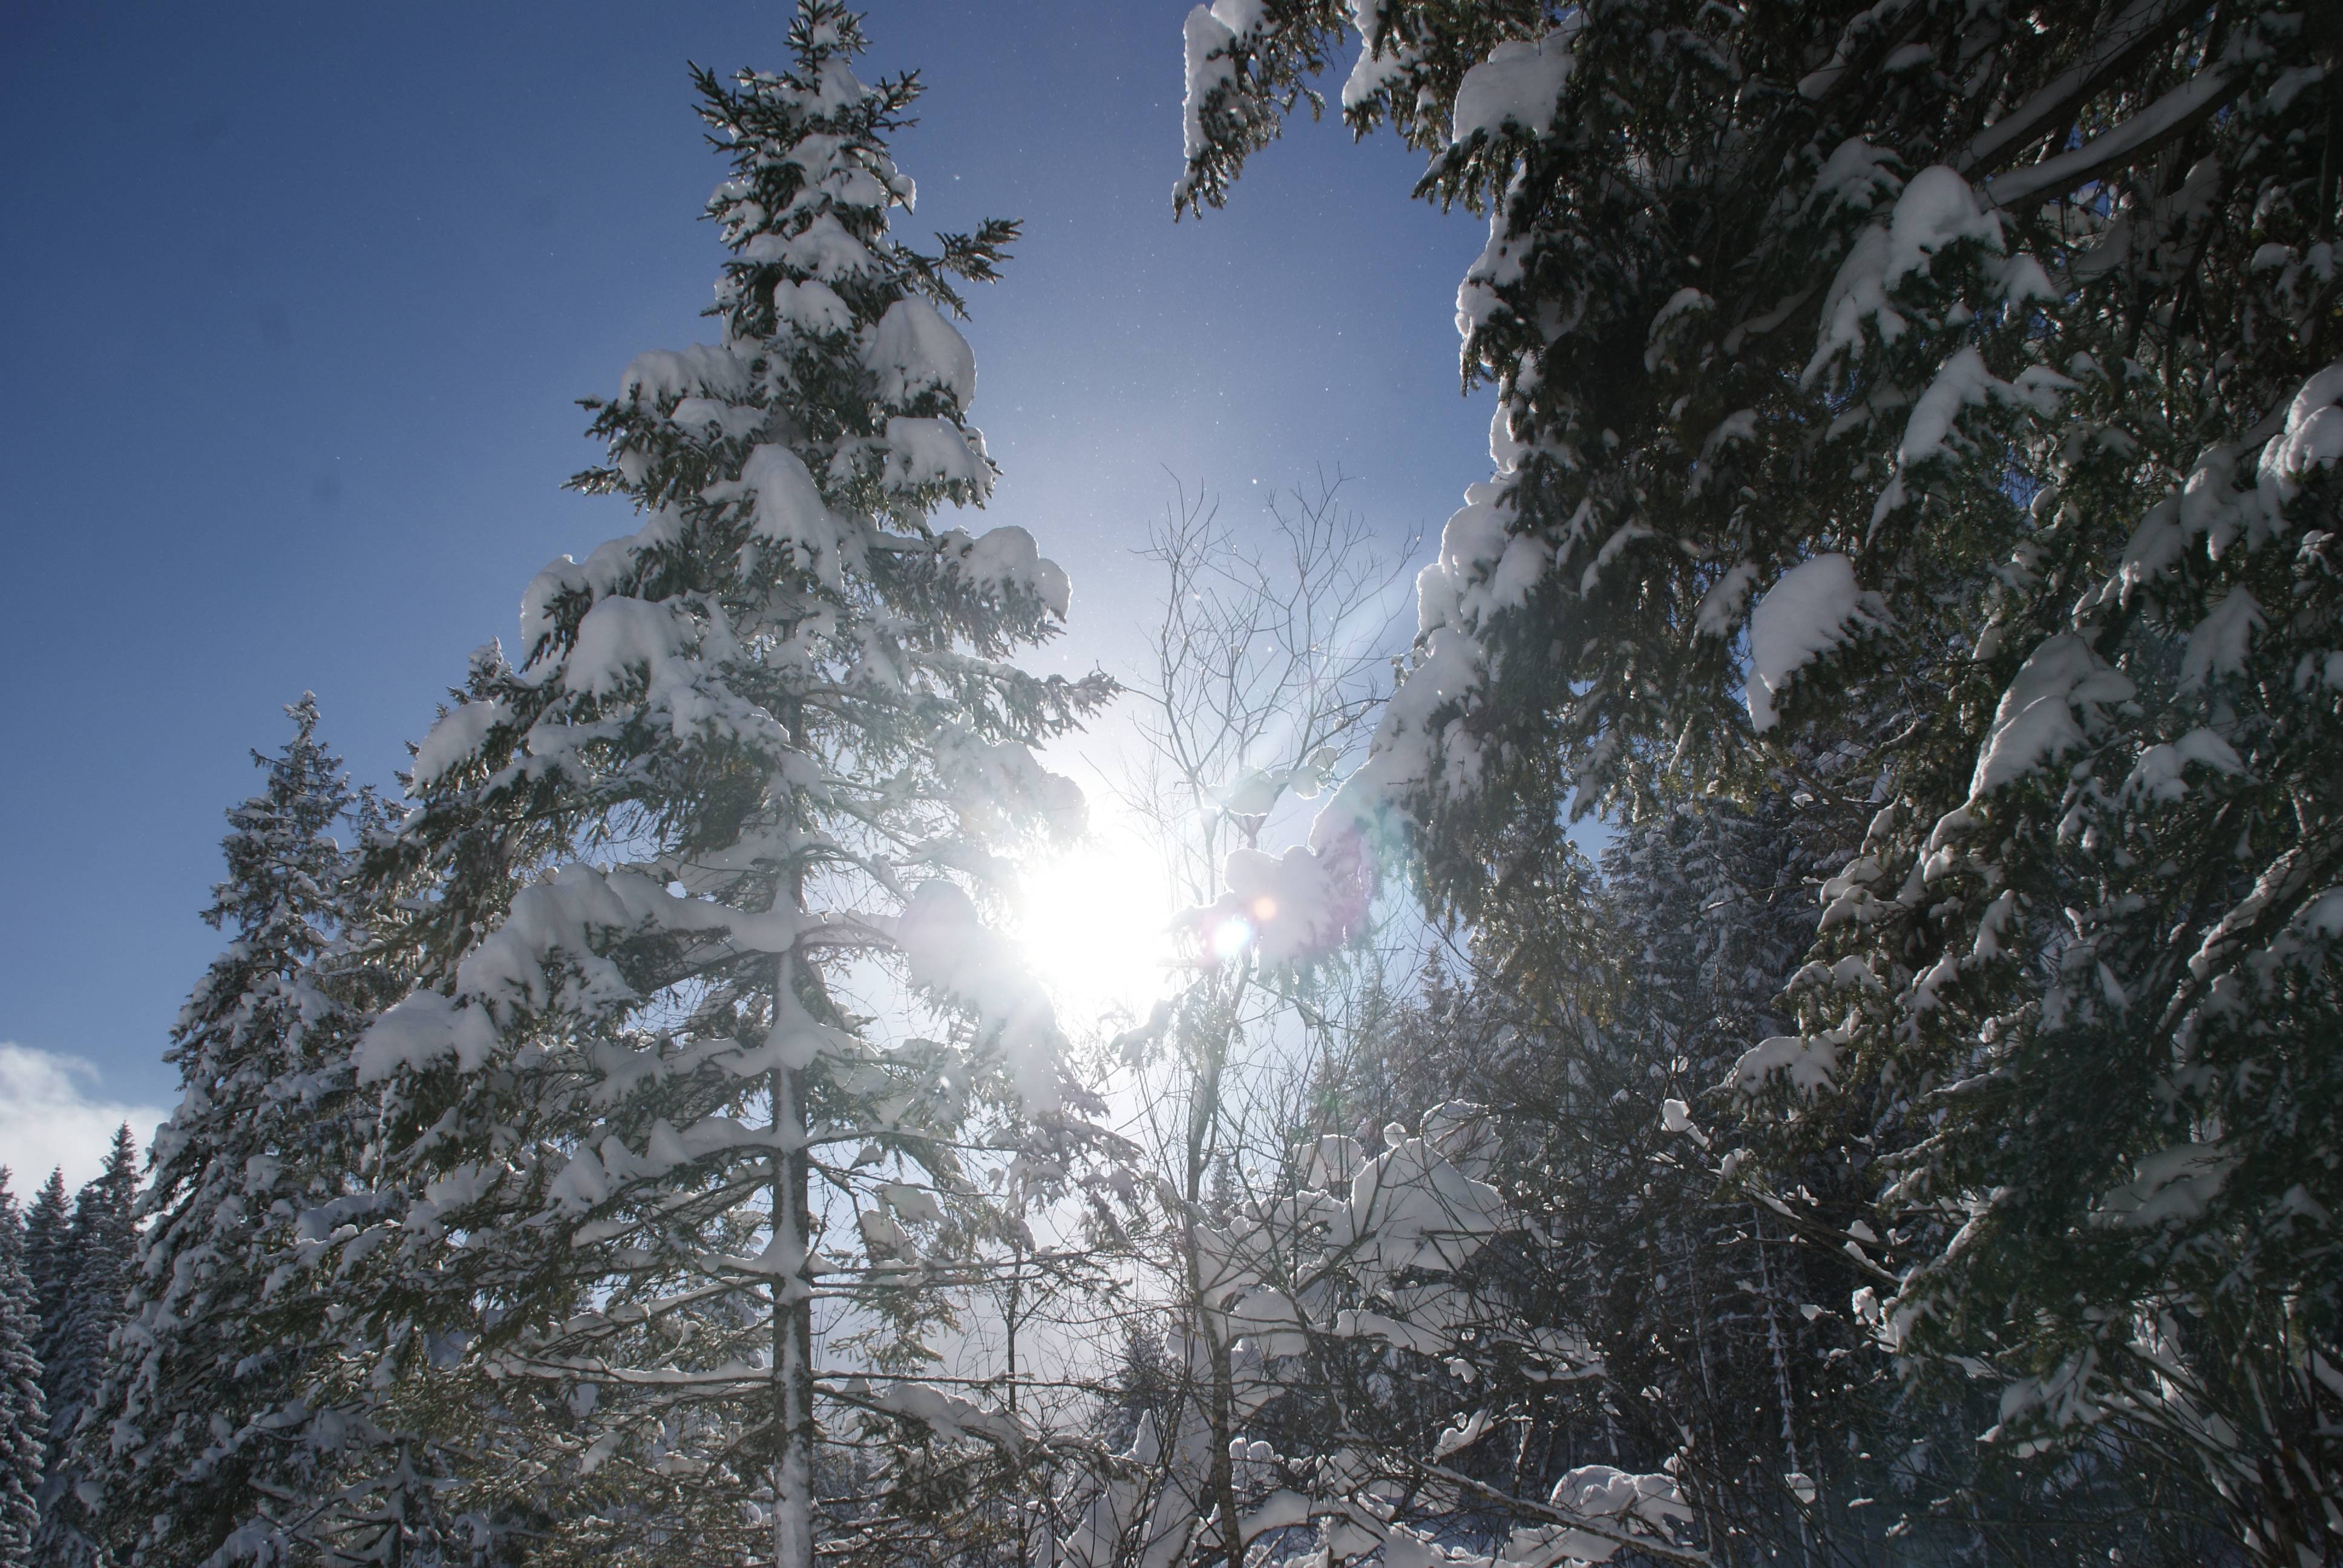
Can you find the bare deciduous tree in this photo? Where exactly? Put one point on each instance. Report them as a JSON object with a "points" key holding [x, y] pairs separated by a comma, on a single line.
{"points": [[1270, 663]]}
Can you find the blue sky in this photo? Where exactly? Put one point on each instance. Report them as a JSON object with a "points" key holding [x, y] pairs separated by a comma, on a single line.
{"points": [[297, 300]]}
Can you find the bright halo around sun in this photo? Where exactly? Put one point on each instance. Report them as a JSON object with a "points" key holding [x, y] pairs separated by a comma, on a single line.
{"points": [[1094, 922]]}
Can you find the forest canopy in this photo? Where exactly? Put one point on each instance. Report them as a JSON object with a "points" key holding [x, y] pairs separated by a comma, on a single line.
{"points": [[1909, 1129]]}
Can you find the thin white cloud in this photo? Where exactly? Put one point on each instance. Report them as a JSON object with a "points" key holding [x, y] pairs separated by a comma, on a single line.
{"points": [[54, 1113]]}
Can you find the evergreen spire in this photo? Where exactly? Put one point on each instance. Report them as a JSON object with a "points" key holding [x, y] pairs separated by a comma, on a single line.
{"points": [[98, 1268], [770, 739], [211, 1392], [48, 1231], [24, 1415], [284, 873]]}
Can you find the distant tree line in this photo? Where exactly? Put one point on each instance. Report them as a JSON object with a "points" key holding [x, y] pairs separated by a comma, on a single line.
{"points": [[64, 1276]]}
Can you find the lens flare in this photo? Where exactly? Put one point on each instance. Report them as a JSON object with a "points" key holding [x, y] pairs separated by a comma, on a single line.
{"points": [[1231, 936]]}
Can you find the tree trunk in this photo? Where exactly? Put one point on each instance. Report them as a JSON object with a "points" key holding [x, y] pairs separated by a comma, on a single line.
{"points": [[1202, 1119], [792, 1315]]}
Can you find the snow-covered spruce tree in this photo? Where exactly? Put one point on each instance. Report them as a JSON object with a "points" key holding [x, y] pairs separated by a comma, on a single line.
{"points": [[1960, 374], [664, 1089], [96, 1273], [48, 1274], [220, 1435], [48, 1232], [24, 1414]]}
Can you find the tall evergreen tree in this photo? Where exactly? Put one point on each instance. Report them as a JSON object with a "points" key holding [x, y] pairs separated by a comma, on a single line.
{"points": [[218, 1432], [48, 1232], [24, 1415], [1955, 380], [48, 1270], [664, 1086], [98, 1264]]}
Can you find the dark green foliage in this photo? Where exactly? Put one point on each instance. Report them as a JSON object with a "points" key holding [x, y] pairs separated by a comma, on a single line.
{"points": [[236, 1422], [48, 1228], [94, 1299], [24, 1414], [2018, 316]]}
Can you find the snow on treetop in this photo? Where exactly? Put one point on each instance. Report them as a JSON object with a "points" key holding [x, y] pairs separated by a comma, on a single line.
{"points": [[2170, 1186], [1855, 176], [457, 735], [545, 955], [991, 784], [1421, 739], [419, 1031], [1963, 381], [1242, 18], [787, 511], [1006, 561], [1858, 294], [947, 1414], [1812, 609], [1606, 1492], [1256, 792], [1519, 85], [1720, 607], [2323, 916], [610, 565], [2313, 437], [914, 350], [1206, 38], [1937, 210], [794, 1040], [2160, 772], [619, 636], [1483, 567], [812, 306], [821, 249], [1932, 431], [2209, 504], [923, 452], [1411, 1208], [2219, 643], [2042, 715], [657, 374], [1504, 452], [836, 85], [1373, 70], [1499, 265], [836, 171], [1809, 1064]]}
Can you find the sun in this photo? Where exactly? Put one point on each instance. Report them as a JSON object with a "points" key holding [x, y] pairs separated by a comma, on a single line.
{"points": [[1094, 922]]}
